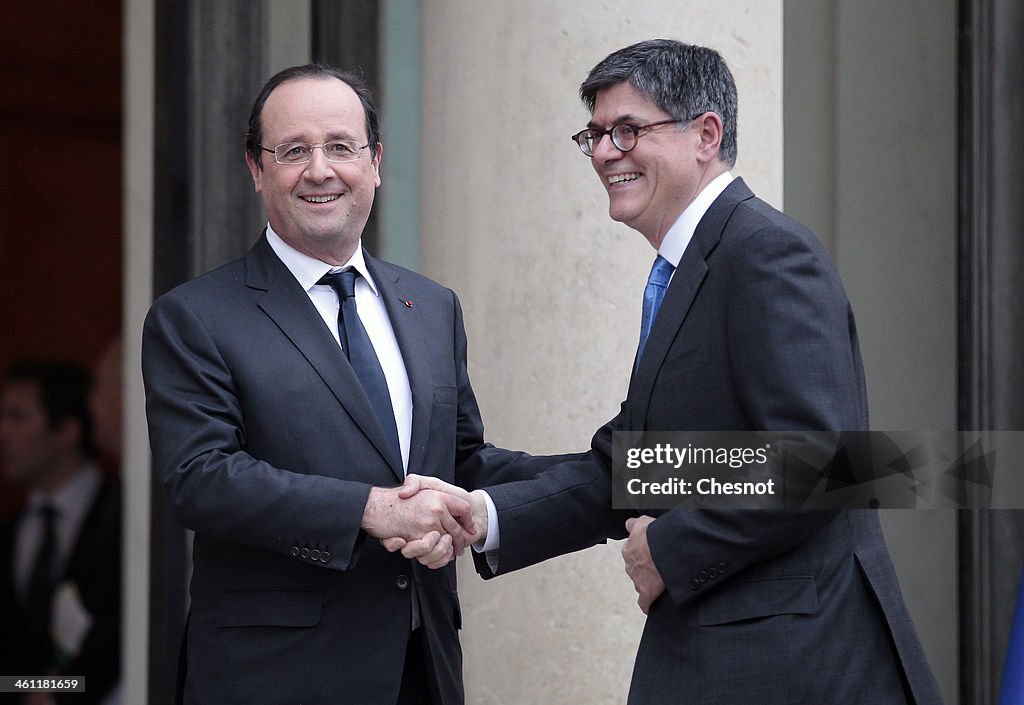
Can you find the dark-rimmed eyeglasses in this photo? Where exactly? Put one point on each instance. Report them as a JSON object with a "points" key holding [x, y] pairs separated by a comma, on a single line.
{"points": [[302, 152], [624, 135]]}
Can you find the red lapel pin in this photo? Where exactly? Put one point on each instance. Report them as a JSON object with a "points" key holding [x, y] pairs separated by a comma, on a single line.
{"points": [[408, 304]]}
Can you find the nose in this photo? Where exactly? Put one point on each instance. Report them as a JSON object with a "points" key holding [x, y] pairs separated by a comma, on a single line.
{"points": [[319, 167], [605, 150]]}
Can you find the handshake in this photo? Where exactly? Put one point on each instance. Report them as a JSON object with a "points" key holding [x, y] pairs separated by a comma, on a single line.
{"points": [[426, 519], [433, 522]]}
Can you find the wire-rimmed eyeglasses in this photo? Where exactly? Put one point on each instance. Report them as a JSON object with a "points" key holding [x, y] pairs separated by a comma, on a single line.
{"points": [[302, 152]]}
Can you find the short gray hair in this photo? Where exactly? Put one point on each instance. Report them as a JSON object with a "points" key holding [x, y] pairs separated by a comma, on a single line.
{"points": [[682, 79]]}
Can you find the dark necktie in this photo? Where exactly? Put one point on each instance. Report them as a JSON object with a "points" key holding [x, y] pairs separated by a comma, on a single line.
{"points": [[361, 355], [40, 582], [654, 292]]}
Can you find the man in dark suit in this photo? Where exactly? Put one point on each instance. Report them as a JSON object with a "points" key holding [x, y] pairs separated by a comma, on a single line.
{"points": [[60, 558], [745, 327], [288, 393]]}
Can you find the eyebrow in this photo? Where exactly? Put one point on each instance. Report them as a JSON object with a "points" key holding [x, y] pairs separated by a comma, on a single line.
{"points": [[629, 117], [333, 136]]}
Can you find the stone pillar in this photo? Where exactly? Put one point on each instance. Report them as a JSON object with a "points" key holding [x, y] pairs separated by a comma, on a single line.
{"points": [[516, 222], [871, 166], [991, 381]]}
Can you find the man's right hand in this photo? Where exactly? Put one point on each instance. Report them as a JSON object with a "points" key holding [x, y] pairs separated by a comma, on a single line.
{"points": [[390, 513], [430, 549]]}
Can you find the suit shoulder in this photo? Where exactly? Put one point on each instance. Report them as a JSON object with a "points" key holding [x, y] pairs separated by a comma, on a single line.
{"points": [[407, 275], [414, 281], [756, 223], [756, 214]]}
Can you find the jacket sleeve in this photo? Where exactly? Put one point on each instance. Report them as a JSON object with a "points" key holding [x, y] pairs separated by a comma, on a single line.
{"points": [[197, 433], [567, 507]]}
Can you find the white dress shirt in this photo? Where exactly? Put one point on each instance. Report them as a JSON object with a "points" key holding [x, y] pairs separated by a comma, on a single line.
{"points": [[673, 245], [374, 316], [71, 503]]}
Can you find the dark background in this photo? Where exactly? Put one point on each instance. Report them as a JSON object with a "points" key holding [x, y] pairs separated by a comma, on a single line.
{"points": [[60, 183]]}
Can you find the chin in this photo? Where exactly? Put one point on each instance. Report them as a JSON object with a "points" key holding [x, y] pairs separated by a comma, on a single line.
{"points": [[620, 217], [615, 213]]}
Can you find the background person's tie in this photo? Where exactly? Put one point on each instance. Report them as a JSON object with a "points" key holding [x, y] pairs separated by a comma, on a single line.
{"points": [[654, 292], [359, 350], [40, 585]]}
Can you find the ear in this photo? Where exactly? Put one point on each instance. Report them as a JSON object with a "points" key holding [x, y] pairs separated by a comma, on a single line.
{"points": [[709, 128], [255, 170], [376, 163]]}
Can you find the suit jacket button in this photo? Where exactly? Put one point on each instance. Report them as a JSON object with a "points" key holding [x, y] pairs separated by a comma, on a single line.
{"points": [[295, 551], [325, 557], [304, 553], [695, 584], [722, 567], [713, 572], [314, 555], [703, 576], [402, 582]]}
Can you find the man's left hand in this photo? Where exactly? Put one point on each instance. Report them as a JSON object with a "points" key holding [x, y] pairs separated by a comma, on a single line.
{"points": [[640, 565]]}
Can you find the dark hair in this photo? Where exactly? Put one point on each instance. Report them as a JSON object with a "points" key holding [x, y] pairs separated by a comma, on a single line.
{"points": [[682, 79], [254, 135], [63, 393]]}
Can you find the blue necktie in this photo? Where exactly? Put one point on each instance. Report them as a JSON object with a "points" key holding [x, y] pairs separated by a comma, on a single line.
{"points": [[359, 350], [654, 292]]}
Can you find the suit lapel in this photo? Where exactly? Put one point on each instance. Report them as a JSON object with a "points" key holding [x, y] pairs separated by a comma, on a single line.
{"points": [[407, 324], [679, 298], [281, 297]]}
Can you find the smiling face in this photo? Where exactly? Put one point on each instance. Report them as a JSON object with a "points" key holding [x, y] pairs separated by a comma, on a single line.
{"points": [[649, 186], [319, 208]]}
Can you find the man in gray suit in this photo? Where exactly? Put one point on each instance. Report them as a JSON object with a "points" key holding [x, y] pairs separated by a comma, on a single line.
{"points": [[287, 394], [745, 327]]}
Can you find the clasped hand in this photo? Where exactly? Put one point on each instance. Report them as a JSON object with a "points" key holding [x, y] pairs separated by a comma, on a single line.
{"points": [[431, 520]]}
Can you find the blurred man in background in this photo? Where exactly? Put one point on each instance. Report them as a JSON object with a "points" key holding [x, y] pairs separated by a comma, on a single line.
{"points": [[60, 559]]}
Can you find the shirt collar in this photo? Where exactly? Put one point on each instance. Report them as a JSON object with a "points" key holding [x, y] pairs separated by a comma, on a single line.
{"points": [[681, 232], [70, 495], [308, 270]]}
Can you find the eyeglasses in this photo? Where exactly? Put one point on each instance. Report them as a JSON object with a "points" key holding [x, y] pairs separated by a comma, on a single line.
{"points": [[302, 152], [624, 135]]}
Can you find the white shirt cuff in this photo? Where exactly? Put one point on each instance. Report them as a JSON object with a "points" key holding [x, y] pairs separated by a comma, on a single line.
{"points": [[493, 540]]}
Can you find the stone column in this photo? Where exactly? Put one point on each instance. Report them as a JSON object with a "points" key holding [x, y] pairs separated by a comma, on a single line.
{"points": [[516, 222]]}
